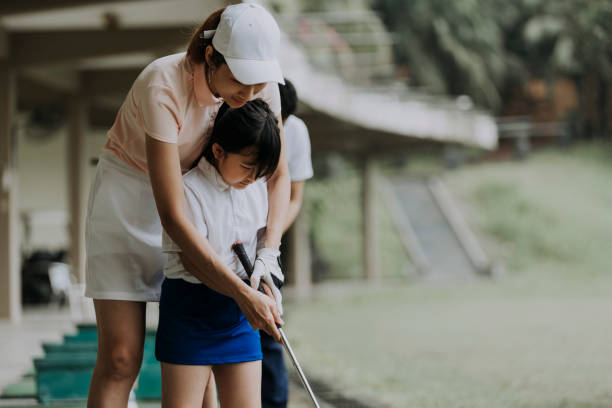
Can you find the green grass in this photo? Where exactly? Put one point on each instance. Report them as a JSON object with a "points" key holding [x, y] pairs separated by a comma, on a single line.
{"points": [[538, 336], [478, 345], [551, 212]]}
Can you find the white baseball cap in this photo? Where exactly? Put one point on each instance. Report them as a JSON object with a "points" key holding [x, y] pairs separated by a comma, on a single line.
{"points": [[249, 39]]}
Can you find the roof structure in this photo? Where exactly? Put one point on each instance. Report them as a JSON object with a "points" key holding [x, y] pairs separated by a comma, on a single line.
{"points": [[97, 48], [381, 118]]}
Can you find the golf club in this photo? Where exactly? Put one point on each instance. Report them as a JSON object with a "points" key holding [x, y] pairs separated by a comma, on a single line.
{"points": [[246, 263]]}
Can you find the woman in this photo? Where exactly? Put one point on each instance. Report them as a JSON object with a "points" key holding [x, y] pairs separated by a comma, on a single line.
{"points": [[159, 131]]}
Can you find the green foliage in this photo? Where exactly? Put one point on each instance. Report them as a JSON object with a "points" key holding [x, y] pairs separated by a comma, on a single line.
{"points": [[451, 47], [480, 47], [333, 206], [572, 37]]}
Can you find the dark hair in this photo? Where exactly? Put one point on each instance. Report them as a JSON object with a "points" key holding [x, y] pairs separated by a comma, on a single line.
{"points": [[288, 98], [197, 45], [251, 125]]}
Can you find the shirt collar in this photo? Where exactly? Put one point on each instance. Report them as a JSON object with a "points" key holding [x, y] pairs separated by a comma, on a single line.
{"points": [[203, 95], [212, 175]]}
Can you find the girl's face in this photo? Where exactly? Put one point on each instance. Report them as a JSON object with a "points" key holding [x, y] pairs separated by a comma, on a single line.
{"points": [[223, 83], [237, 169]]}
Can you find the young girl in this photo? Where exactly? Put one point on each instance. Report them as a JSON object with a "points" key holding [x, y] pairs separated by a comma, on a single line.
{"points": [[200, 329]]}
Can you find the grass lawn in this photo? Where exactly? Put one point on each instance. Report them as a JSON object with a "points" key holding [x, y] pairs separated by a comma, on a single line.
{"points": [[539, 336]]}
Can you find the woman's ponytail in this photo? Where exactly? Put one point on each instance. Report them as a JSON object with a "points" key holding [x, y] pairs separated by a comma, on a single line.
{"points": [[197, 44]]}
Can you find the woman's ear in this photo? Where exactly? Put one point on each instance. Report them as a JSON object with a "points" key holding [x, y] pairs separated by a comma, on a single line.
{"points": [[218, 151], [208, 55]]}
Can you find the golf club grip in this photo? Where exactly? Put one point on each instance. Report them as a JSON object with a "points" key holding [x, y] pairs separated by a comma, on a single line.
{"points": [[243, 257], [246, 263]]}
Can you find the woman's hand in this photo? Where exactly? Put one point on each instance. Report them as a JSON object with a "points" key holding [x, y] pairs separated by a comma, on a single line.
{"points": [[260, 310], [267, 269]]}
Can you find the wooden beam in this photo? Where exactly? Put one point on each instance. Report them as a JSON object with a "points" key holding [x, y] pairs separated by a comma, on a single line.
{"points": [[106, 91], [102, 107], [108, 81], [34, 93], [8, 7], [330, 134], [77, 177], [62, 82], [370, 221], [10, 277], [54, 46], [299, 268]]}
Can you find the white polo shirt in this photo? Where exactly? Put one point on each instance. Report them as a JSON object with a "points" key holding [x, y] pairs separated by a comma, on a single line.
{"points": [[298, 149], [223, 215]]}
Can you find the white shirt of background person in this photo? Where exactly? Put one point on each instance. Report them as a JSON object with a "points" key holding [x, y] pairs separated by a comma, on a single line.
{"points": [[297, 143], [298, 149]]}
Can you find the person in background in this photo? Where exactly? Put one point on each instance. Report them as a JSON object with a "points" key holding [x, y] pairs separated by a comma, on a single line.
{"points": [[274, 384]]}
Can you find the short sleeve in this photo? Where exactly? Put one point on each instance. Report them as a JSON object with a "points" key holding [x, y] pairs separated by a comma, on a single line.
{"points": [[195, 209], [160, 113], [195, 215], [271, 95], [298, 150], [168, 245]]}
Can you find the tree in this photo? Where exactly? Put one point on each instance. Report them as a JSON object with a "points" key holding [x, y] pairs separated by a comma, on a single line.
{"points": [[574, 38], [453, 47], [483, 47]]}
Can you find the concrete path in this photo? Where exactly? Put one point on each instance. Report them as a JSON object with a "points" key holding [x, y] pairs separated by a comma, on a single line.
{"points": [[447, 259], [21, 342]]}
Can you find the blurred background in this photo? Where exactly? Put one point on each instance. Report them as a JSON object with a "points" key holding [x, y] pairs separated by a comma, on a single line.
{"points": [[453, 249]]}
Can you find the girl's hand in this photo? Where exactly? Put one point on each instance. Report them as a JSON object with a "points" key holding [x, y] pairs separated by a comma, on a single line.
{"points": [[270, 294], [261, 312]]}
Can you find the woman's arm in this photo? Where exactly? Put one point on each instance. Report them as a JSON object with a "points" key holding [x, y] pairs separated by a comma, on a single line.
{"points": [[295, 202], [278, 197], [197, 255]]}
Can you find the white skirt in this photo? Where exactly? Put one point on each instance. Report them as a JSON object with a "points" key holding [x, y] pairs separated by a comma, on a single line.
{"points": [[123, 235]]}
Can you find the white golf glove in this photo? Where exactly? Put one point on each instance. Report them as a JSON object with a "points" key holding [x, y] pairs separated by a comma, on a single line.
{"points": [[267, 268]]}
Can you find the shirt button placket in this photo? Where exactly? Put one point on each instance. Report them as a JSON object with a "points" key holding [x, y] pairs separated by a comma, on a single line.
{"points": [[234, 220]]}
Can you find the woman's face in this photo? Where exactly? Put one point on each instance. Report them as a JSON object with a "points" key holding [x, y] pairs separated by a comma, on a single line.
{"points": [[225, 85], [237, 169]]}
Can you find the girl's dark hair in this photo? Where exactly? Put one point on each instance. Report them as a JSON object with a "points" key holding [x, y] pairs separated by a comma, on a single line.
{"points": [[289, 99], [252, 125], [197, 46]]}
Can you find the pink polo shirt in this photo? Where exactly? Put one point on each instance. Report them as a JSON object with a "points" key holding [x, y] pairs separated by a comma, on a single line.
{"points": [[163, 104]]}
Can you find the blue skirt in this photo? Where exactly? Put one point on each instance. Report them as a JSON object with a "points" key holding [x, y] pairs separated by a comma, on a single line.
{"points": [[198, 326]]}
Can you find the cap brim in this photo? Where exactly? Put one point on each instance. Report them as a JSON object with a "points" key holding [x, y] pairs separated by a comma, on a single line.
{"points": [[250, 72]]}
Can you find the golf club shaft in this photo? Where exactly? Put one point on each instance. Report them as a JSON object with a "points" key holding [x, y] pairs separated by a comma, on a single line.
{"points": [[246, 263], [289, 351]]}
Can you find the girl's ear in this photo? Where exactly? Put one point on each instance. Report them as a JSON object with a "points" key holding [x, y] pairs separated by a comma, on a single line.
{"points": [[218, 151]]}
